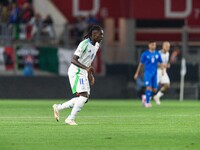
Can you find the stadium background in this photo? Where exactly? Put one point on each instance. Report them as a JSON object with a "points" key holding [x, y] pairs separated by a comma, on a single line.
{"points": [[128, 26]]}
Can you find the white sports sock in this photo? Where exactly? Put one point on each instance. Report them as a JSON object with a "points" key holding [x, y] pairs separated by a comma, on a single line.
{"points": [[77, 107], [68, 104], [159, 94]]}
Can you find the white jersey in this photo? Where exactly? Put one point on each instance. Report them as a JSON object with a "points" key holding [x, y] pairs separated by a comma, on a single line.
{"points": [[78, 77], [86, 53], [163, 79], [165, 57]]}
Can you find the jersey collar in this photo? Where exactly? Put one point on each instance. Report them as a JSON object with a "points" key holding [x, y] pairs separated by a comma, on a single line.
{"points": [[90, 41], [151, 51]]}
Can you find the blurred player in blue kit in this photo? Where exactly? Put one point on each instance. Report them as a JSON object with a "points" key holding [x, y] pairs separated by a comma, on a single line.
{"points": [[150, 59]]}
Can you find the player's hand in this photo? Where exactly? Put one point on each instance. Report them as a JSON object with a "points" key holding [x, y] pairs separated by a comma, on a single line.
{"points": [[168, 66], [135, 76], [91, 78], [90, 69]]}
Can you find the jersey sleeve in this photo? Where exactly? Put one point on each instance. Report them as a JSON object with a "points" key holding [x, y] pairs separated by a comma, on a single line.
{"points": [[168, 57], [79, 51], [143, 58], [81, 48]]}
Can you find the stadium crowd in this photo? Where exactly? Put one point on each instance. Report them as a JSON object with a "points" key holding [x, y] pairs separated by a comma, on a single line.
{"points": [[22, 21]]}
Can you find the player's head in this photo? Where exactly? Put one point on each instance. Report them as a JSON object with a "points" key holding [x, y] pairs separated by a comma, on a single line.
{"points": [[166, 46], [95, 33], [152, 45]]}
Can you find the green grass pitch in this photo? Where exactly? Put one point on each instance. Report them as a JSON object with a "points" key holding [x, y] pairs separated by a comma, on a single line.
{"points": [[102, 125]]}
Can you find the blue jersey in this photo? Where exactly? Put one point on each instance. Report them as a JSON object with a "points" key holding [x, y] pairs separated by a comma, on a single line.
{"points": [[150, 61]]}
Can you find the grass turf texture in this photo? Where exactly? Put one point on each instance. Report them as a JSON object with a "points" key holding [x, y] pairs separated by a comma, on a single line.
{"points": [[103, 125]]}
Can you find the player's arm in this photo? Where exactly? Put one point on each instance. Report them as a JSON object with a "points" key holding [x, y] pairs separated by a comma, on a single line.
{"points": [[138, 71], [90, 69], [78, 64], [161, 64], [142, 61], [164, 65], [168, 65], [91, 78]]}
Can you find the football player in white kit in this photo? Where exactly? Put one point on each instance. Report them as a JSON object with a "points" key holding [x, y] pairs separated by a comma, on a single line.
{"points": [[163, 80], [80, 73]]}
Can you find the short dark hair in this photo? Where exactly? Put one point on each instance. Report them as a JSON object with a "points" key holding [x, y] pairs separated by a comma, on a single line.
{"points": [[91, 29], [152, 41]]}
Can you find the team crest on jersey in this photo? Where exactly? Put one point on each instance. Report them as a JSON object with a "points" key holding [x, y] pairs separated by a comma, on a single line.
{"points": [[152, 59], [156, 56], [89, 51]]}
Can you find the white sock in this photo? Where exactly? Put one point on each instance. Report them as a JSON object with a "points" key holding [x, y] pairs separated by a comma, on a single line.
{"points": [[68, 104], [159, 94], [77, 107], [144, 97]]}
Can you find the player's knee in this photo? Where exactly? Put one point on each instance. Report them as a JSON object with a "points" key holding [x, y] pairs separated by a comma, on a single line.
{"points": [[85, 94]]}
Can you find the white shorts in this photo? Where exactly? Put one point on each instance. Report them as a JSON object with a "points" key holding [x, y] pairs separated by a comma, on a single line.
{"points": [[79, 82], [163, 79]]}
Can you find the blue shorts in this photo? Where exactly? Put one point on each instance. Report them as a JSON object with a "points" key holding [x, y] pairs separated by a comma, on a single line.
{"points": [[150, 80]]}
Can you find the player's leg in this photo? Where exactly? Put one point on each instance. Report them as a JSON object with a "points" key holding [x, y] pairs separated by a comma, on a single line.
{"points": [[148, 92], [82, 99], [154, 88], [83, 90], [165, 84], [143, 96], [69, 104], [58, 107]]}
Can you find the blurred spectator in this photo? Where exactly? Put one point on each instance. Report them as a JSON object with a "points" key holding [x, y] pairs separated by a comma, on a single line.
{"points": [[79, 29], [4, 15], [36, 23], [14, 14], [48, 26], [91, 20], [28, 66], [17, 18], [20, 3], [26, 13], [176, 55]]}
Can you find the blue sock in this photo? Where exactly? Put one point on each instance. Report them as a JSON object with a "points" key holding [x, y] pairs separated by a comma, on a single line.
{"points": [[148, 94]]}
